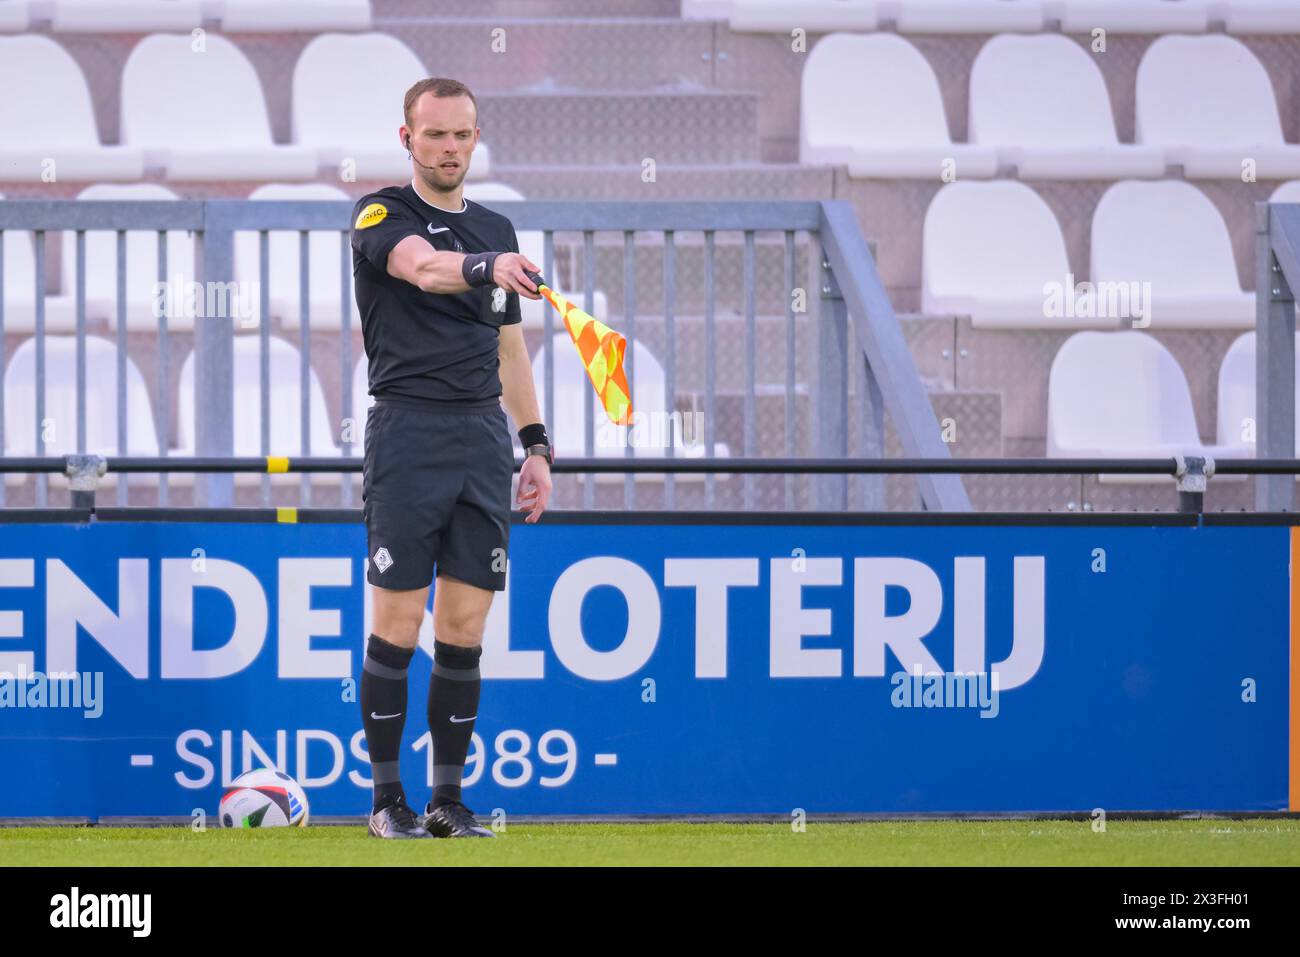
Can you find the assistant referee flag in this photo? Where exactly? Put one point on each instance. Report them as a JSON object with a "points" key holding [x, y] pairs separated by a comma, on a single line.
{"points": [[602, 351]]}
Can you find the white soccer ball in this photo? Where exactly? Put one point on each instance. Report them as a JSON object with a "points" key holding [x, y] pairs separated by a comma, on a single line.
{"points": [[263, 798]]}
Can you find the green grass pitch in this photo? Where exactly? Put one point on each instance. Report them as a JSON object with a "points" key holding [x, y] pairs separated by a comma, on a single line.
{"points": [[1034, 843]]}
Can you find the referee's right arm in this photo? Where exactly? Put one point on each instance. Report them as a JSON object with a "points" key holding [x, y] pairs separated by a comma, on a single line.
{"points": [[441, 271]]}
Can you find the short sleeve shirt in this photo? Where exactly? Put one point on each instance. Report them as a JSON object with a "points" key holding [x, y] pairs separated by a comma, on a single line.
{"points": [[440, 347]]}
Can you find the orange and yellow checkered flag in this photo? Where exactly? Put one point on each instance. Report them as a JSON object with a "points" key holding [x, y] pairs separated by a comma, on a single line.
{"points": [[602, 351]]}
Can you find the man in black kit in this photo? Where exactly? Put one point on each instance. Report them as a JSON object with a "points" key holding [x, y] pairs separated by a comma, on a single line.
{"points": [[437, 284]]}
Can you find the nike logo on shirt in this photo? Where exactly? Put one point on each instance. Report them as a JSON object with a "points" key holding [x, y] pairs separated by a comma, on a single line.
{"points": [[441, 229]]}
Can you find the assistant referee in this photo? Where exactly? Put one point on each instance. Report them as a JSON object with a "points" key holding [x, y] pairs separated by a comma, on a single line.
{"points": [[438, 280]]}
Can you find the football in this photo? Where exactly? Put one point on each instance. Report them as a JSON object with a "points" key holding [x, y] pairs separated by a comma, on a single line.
{"points": [[263, 798]]}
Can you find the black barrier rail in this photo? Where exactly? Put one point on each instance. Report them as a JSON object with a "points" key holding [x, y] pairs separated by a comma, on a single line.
{"points": [[1191, 471]]}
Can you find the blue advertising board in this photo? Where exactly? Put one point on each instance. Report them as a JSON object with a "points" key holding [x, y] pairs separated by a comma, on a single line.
{"points": [[666, 669]]}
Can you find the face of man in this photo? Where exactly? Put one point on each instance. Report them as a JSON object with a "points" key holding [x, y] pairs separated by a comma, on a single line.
{"points": [[443, 134]]}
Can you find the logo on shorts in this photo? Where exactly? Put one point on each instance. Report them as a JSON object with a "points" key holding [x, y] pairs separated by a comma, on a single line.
{"points": [[498, 299], [383, 560]]}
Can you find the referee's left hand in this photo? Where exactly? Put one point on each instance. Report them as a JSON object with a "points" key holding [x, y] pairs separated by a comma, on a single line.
{"points": [[534, 487]]}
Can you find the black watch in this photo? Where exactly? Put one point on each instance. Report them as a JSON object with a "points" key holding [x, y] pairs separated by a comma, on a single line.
{"points": [[541, 450]]}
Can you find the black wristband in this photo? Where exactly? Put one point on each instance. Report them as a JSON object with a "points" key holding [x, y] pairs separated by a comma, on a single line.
{"points": [[476, 269], [534, 434]]}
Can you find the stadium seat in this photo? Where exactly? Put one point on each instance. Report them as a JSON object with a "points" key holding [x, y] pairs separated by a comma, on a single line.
{"points": [[286, 436], [347, 102], [814, 16], [47, 125], [1237, 397], [20, 289], [60, 411], [282, 265], [1042, 103], [1170, 235], [1209, 103], [1260, 16], [1120, 395], [125, 16], [141, 264], [964, 16], [305, 16], [872, 102], [648, 435], [1131, 16], [15, 16], [988, 250], [170, 96], [362, 400]]}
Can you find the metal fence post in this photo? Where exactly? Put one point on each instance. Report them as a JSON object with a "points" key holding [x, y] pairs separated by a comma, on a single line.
{"points": [[1274, 364], [214, 349], [830, 410]]}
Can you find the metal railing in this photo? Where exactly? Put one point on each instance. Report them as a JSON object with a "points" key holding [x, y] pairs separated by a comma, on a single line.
{"points": [[842, 282]]}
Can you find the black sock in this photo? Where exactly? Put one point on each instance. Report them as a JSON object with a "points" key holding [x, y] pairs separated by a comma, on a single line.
{"points": [[383, 714], [453, 706]]}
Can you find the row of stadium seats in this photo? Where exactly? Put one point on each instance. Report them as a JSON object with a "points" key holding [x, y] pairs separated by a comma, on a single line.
{"points": [[145, 16], [1123, 395], [649, 438], [324, 258], [346, 91], [996, 16], [995, 252], [1039, 105]]}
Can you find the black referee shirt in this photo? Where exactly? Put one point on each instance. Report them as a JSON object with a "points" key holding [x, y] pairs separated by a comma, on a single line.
{"points": [[439, 349]]}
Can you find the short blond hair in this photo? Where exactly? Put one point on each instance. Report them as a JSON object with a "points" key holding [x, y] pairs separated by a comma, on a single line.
{"points": [[439, 86]]}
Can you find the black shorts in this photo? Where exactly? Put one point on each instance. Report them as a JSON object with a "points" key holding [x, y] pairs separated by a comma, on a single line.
{"points": [[436, 492]]}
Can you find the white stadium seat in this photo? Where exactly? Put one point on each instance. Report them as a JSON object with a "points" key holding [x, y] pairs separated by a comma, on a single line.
{"points": [[872, 102], [964, 16], [20, 288], [141, 264], [307, 16], [1209, 103], [648, 435], [1259, 16], [324, 276], [60, 411], [15, 16], [362, 400], [203, 113], [814, 16], [286, 436], [347, 96], [347, 102], [1170, 235], [125, 16], [1131, 16], [987, 251], [1237, 426], [1042, 103], [47, 124], [1120, 395], [1287, 193]]}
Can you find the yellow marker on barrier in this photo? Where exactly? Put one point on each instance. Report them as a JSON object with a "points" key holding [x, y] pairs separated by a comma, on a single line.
{"points": [[286, 514], [277, 463]]}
